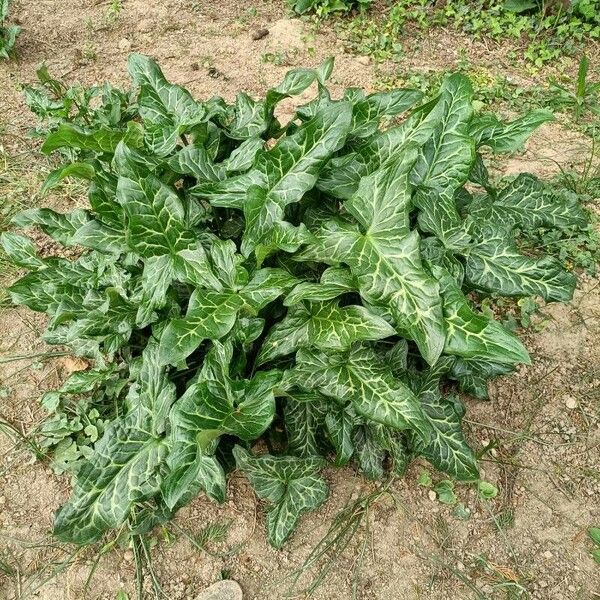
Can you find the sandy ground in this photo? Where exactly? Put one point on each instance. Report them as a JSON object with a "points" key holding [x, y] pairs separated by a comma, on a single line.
{"points": [[543, 422]]}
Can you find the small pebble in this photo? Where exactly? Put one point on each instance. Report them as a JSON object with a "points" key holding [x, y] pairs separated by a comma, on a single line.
{"points": [[222, 590], [259, 34], [364, 60], [432, 495], [548, 554], [128, 556], [570, 402], [124, 44]]}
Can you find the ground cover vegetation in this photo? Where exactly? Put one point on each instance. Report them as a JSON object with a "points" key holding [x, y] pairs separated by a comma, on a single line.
{"points": [[270, 296], [543, 30]]}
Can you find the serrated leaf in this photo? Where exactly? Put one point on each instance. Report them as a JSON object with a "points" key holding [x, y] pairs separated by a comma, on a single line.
{"points": [[291, 484]]}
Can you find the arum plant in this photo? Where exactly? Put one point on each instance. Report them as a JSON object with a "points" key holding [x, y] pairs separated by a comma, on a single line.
{"points": [[310, 287]]}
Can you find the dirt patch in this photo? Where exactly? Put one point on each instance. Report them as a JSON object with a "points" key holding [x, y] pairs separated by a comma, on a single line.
{"points": [[544, 458]]}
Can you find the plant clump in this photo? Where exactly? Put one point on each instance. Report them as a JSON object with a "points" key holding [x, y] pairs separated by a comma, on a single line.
{"points": [[311, 287]]}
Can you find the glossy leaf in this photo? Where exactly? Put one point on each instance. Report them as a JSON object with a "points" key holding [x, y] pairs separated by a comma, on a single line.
{"points": [[291, 485], [359, 377], [324, 325]]}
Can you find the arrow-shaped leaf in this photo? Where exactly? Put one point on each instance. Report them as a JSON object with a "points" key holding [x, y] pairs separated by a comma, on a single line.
{"points": [[292, 485]]}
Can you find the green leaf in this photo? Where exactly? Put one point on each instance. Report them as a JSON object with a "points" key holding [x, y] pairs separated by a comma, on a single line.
{"points": [[527, 203], [488, 130], [594, 533], [446, 158], [215, 404], [8, 37], [266, 286], [292, 485], [486, 490], [192, 471], [367, 112], [77, 169], [496, 265], [472, 375], [369, 454], [125, 466], [335, 281], [156, 217], [341, 423], [212, 406], [103, 238], [167, 110], [194, 161], [425, 479], [123, 470], [342, 174], [444, 163], [210, 315], [21, 251], [322, 325], [304, 418], [282, 236], [447, 449], [68, 135], [244, 155], [59, 227], [385, 257], [473, 335], [445, 491], [359, 377], [291, 168]]}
